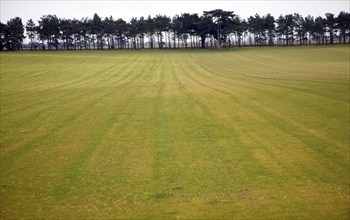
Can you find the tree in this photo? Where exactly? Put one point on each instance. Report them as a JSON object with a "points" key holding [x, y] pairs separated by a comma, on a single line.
{"points": [[150, 30], [299, 27], [290, 25], [222, 20], [141, 28], [183, 30], [257, 27], [121, 30], [320, 29], [77, 36], [177, 28], [330, 22], [14, 34], [260, 29], [97, 31], [309, 26], [192, 19], [162, 24], [3, 30], [186, 27], [49, 30], [84, 33], [133, 31], [269, 26], [203, 28], [282, 29], [239, 27], [66, 29], [110, 31], [30, 28], [343, 24]]}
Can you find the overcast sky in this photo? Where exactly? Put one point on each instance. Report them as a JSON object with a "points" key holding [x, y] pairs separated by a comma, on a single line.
{"points": [[127, 9]]}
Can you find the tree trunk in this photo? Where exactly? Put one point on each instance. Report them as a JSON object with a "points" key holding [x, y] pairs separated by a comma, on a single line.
{"points": [[203, 41], [169, 40], [331, 35], [158, 38], [218, 32], [75, 42], [309, 40], [31, 43]]}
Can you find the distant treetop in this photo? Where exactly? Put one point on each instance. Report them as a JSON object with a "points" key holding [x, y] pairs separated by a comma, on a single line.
{"points": [[215, 28]]}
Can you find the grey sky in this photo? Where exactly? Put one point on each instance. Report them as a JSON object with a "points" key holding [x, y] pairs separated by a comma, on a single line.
{"points": [[127, 9]]}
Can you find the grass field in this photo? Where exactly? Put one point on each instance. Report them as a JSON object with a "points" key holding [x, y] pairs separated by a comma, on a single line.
{"points": [[244, 133]]}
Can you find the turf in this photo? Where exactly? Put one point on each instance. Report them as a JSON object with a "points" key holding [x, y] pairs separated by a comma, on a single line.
{"points": [[244, 133]]}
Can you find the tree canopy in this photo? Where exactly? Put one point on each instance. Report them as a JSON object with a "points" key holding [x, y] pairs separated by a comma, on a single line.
{"points": [[215, 28]]}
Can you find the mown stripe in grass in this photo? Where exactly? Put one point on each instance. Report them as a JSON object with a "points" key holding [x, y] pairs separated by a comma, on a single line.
{"points": [[318, 106], [73, 174], [210, 137], [165, 170], [259, 110], [56, 103], [100, 74], [36, 141], [222, 70], [209, 132], [262, 91]]}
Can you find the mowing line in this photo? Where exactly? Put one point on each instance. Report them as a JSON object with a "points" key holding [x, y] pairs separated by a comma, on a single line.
{"points": [[259, 112], [280, 115], [230, 135], [64, 86], [36, 140], [70, 95], [77, 164]]}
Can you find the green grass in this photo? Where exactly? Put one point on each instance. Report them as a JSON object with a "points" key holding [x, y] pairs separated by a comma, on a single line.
{"points": [[244, 133]]}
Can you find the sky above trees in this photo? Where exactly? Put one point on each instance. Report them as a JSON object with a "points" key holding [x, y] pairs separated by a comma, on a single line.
{"points": [[27, 9]]}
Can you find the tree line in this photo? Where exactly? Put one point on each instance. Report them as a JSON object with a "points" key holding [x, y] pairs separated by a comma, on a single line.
{"points": [[215, 28]]}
